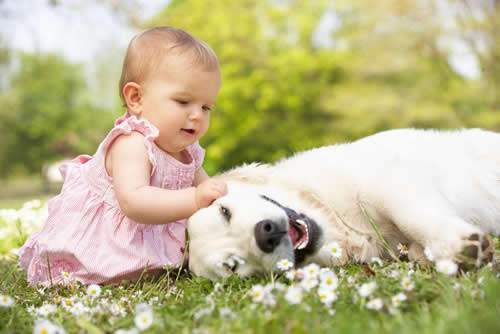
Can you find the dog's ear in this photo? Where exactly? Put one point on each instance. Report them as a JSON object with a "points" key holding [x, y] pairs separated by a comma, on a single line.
{"points": [[253, 173]]}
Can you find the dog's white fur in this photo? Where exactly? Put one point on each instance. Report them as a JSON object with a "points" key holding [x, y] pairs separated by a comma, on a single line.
{"points": [[427, 189]]}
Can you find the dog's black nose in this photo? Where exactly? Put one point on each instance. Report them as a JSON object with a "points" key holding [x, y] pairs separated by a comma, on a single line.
{"points": [[268, 235]]}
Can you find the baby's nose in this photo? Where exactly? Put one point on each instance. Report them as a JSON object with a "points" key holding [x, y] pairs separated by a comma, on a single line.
{"points": [[196, 113]]}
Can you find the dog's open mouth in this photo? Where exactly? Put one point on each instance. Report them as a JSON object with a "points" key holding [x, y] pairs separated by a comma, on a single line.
{"points": [[304, 233], [299, 233]]}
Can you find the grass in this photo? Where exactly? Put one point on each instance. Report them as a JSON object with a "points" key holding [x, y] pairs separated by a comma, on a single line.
{"points": [[182, 303], [435, 305], [16, 203]]}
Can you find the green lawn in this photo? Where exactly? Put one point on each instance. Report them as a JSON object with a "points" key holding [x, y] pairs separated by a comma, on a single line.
{"points": [[184, 304]]}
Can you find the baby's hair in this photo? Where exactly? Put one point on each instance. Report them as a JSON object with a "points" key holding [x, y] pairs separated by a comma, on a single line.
{"points": [[148, 49]]}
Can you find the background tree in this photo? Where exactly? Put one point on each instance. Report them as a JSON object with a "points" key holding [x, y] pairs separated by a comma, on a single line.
{"points": [[274, 78], [288, 83], [43, 117]]}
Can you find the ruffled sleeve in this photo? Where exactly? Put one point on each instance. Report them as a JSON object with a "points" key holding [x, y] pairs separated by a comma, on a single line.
{"points": [[124, 126], [67, 165], [198, 154]]}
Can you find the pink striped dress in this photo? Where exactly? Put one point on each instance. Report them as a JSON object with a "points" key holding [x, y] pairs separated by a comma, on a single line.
{"points": [[88, 236]]}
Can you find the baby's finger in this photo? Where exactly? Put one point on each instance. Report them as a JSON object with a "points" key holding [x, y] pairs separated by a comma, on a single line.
{"points": [[221, 187], [217, 187], [213, 195]]}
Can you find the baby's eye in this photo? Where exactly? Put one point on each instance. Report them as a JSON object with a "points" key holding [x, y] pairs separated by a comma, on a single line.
{"points": [[207, 108], [182, 102]]}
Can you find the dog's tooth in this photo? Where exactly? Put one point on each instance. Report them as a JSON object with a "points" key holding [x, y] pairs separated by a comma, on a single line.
{"points": [[301, 222], [302, 245]]}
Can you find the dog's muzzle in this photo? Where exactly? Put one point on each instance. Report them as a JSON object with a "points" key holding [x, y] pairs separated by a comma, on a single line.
{"points": [[305, 234], [268, 234]]}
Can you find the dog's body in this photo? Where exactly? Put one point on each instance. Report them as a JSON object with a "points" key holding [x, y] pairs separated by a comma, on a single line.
{"points": [[424, 189]]}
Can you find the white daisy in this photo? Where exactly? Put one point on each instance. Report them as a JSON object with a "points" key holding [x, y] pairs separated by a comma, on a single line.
{"points": [[93, 291], [47, 327], [398, 299], [407, 284], [291, 275], [144, 320], [376, 260], [366, 289], [284, 264], [6, 301], [294, 294], [403, 249], [447, 267], [394, 274], [327, 296], [334, 249], [66, 276], [311, 271], [78, 308], [257, 292], [375, 304], [309, 283], [117, 310], [329, 280], [46, 309]]}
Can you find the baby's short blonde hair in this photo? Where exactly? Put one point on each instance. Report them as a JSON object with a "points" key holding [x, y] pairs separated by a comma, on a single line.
{"points": [[147, 50]]}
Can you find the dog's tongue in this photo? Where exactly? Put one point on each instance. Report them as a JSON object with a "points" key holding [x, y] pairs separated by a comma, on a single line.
{"points": [[294, 234]]}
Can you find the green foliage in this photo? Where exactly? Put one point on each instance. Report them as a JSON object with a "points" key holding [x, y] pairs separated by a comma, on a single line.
{"points": [[274, 79], [282, 91], [43, 116]]}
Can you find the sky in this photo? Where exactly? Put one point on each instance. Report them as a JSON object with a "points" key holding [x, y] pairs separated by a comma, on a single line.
{"points": [[83, 29], [78, 29]]}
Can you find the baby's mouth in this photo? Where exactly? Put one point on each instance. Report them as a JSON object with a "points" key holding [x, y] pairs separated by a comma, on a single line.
{"points": [[189, 131]]}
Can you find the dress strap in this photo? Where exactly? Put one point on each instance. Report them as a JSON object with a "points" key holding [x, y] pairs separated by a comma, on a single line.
{"points": [[124, 126]]}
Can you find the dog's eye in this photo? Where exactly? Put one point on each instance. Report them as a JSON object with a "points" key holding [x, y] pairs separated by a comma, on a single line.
{"points": [[225, 212]]}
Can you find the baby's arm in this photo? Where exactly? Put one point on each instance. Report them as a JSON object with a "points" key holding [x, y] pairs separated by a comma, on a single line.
{"points": [[130, 169]]}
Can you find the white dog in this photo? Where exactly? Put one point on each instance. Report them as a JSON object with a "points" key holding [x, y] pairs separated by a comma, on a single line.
{"points": [[429, 190]]}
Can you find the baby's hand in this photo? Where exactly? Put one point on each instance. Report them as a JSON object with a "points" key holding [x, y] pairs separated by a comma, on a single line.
{"points": [[208, 191]]}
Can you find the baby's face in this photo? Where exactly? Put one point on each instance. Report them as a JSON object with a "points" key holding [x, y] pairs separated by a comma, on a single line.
{"points": [[177, 100]]}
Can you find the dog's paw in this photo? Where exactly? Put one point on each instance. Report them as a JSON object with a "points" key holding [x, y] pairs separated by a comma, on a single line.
{"points": [[478, 249], [416, 253]]}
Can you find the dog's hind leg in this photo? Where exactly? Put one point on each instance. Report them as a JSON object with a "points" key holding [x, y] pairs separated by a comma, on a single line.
{"points": [[435, 226]]}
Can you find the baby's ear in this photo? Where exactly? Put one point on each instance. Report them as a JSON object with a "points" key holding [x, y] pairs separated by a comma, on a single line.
{"points": [[132, 93]]}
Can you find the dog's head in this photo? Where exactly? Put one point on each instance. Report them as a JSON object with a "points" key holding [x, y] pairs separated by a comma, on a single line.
{"points": [[247, 233]]}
